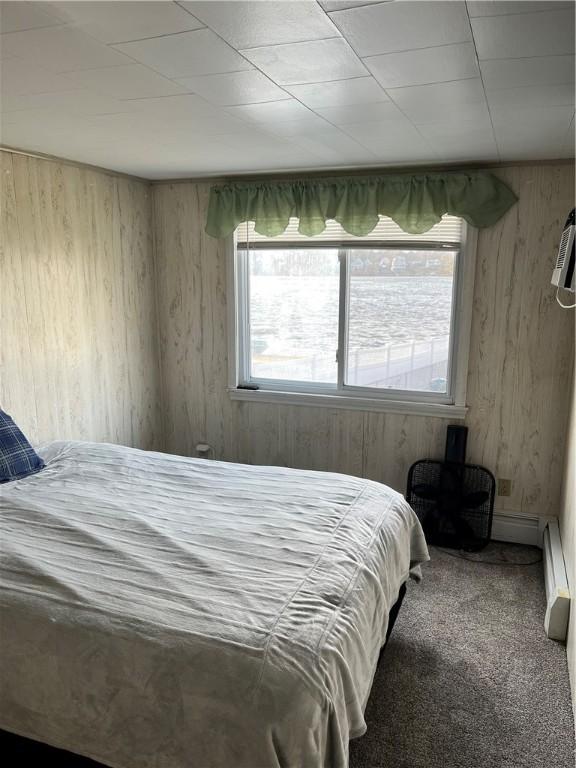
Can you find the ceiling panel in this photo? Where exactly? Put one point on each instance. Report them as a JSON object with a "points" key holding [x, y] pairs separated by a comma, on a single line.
{"points": [[425, 65], [182, 106], [358, 90], [198, 130], [235, 88], [512, 7], [340, 5], [524, 119], [533, 96], [75, 101], [128, 82], [19, 76], [355, 113], [249, 25], [541, 70], [313, 62], [377, 134], [427, 103], [514, 36], [392, 139], [332, 145], [529, 143], [18, 16], [61, 49], [274, 112], [402, 26], [313, 125], [188, 53], [475, 137], [120, 21]]}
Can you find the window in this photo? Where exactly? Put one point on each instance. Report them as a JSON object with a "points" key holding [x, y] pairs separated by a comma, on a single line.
{"points": [[379, 322]]}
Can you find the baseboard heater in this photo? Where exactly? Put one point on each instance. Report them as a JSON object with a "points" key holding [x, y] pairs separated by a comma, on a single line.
{"points": [[557, 593]]}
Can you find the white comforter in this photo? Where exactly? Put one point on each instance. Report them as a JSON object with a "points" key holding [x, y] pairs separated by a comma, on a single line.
{"points": [[166, 612]]}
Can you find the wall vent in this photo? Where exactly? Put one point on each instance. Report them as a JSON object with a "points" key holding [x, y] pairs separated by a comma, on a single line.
{"points": [[557, 593]]}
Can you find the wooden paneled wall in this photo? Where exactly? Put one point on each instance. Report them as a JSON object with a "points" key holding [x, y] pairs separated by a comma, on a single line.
{"points": [[521, 354], [78, 345]]}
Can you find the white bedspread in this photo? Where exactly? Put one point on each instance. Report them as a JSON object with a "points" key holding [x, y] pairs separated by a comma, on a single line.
{"points": [[166, 612]]}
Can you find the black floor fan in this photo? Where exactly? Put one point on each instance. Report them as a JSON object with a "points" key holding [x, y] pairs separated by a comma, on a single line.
{"points": [[454, 501]]}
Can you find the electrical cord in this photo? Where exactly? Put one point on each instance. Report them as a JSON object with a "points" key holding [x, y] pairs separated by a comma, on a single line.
{"points": [[564, 306], [462, 556]]}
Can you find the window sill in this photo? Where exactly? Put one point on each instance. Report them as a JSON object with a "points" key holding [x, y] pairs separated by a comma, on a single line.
{"points": [[348, 403]]}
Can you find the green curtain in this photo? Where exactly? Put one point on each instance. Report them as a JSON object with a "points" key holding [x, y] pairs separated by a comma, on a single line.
{"points": [[415, 201]]}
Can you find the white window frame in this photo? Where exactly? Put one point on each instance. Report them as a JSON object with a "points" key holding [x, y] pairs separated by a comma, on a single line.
{"points": [[450, 405]]}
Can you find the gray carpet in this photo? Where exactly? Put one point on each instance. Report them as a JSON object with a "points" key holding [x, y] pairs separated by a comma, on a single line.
{"points": [[469, 679]]}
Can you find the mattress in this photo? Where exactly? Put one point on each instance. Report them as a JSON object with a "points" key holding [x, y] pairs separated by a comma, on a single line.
{"points": [[166, 612]]}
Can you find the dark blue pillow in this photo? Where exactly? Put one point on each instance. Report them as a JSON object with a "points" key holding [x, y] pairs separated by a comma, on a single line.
{"points": [[17, 457]]}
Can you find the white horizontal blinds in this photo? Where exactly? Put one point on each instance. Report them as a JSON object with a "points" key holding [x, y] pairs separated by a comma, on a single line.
{"points": [[449, 230]]}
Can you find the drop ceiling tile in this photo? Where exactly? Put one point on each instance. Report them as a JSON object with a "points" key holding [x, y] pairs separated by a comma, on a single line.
{"points": [[465, 115], [46, 122], [424, 66], [181, 106], [273, 112], [527, 119], [341, 5], [356, 113], [523, 134], [448, 130], [524, 35], [461, 139], [186, 54], [22, 77], [115, 22], [200, 128], [253, 24], [357, 90], [234, 88], [20, 16], [311, 126], [79, 101], [61, 49], [537, 96], [508, 7], [404, 151], [312, 62], [540, 70], [395, 141], [129, 82], [428, 103], [255, 141], [333, 145], [403, 26], [526, 146]]}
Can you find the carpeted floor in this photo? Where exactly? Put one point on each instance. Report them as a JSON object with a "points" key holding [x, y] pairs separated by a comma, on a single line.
{"points": [[468, 679]]}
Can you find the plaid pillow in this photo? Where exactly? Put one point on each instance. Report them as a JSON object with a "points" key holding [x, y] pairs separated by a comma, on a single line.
{"points": [[17, 457]]}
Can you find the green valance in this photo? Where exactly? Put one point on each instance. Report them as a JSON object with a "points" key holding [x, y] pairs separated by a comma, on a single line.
{"points": [[415, 201]]}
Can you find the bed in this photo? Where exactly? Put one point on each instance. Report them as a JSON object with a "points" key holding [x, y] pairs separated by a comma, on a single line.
{"points": [[166, 612]]}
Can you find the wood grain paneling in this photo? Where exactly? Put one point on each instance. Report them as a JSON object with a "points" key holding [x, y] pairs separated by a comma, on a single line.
{"points": [[78, 351], [520, 357]]}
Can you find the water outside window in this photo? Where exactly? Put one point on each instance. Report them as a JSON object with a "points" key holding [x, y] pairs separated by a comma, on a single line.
{"points": [[400, 307], [400, 311]]}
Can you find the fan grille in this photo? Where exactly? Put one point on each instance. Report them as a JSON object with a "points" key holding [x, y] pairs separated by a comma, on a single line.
{"points": [[454, 502]]}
